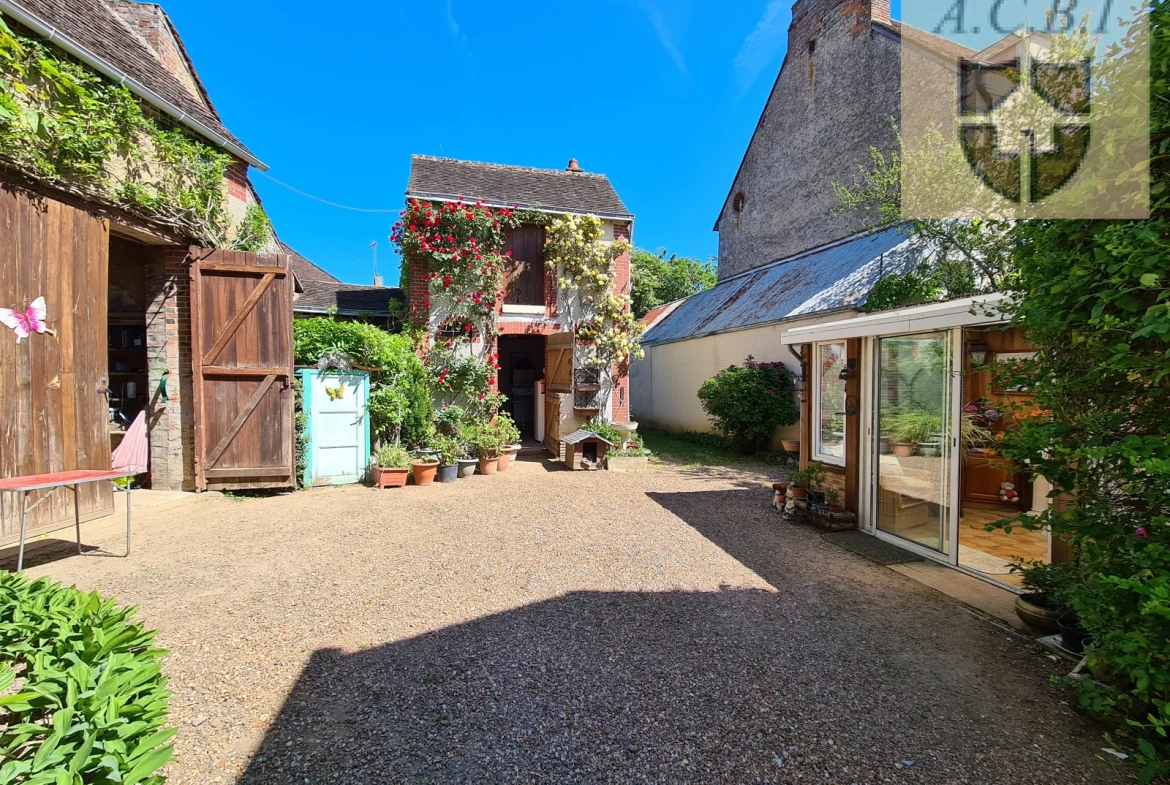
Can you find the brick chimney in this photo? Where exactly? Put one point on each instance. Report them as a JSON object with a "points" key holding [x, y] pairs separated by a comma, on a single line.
{"points": [[809, 15], [573, 166]]}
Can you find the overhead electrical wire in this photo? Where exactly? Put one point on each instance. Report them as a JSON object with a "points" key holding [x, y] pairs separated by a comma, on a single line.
{"points": [[326, 201]]}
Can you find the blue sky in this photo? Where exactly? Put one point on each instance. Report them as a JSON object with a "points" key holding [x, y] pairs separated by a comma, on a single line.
{"points": [[661, 96]]}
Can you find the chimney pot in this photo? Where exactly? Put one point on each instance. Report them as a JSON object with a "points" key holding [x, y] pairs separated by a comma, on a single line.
{"points": [[574, 166]]}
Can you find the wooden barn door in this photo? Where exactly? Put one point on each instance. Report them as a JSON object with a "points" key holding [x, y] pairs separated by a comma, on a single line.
{"points": [[242, 349], [558, 387], [54, 414]]}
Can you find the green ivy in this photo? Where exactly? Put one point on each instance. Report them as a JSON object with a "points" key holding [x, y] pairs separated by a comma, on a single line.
{"points": [[253, 232], [66, 125]]}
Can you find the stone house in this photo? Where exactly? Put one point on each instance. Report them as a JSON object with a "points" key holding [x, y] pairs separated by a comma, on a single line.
{"points": [[530, 343]]}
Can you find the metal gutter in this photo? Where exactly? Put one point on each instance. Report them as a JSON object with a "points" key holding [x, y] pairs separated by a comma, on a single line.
{"points": [[63, 41]]}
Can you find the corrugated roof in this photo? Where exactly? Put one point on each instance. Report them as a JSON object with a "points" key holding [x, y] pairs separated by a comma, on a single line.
{"points": [[549, 189], [96, 28], [832, 278]]}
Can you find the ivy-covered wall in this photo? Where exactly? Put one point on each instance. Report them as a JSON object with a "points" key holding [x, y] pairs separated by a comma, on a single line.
{"points": [[69, 127]]}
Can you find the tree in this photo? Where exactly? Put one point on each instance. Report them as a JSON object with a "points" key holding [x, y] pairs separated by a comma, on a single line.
{"points": [[658, 279], [1094, 297]]}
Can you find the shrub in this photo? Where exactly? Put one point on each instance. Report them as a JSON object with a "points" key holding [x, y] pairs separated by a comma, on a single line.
{"points": [[84, 698], [392, 456], [749, 402], [400, 403]]}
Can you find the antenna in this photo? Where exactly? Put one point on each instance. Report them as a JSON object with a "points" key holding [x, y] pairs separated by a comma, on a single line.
{"points": [[377, 278]]}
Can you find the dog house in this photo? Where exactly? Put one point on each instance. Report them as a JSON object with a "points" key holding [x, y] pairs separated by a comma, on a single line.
{"points": [[585, 450]]}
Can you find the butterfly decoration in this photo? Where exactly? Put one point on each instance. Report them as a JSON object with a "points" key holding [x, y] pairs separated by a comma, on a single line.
{"points": [[336, 393], [25, 323]]}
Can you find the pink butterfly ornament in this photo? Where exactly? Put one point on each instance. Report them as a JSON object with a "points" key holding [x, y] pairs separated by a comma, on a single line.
{"points": [[31, 320]]}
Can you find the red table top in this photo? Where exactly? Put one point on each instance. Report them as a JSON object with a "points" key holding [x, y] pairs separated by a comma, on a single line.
{"points": [[34, 482]]}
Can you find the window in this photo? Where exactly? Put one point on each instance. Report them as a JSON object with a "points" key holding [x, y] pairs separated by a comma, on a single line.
{"points": [[829, 403]]}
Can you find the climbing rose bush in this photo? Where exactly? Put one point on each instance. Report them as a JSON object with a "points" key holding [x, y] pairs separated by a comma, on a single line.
{"points": [[749, 402]]}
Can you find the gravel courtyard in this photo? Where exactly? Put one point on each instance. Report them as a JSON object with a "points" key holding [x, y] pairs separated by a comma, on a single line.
{"points": [[555, 627]]}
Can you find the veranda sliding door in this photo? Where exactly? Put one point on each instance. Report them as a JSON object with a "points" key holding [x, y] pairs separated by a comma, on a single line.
{"points": [[913, 466]]}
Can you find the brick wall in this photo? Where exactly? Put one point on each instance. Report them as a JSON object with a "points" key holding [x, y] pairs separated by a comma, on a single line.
{"points": [[237, 181], [168, 343]]}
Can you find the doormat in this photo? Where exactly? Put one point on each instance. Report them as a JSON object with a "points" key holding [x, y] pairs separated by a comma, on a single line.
{"points": [[872, 548]]}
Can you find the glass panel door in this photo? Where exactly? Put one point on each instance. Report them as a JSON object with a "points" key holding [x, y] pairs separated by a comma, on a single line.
{"points": [[914, 474]]}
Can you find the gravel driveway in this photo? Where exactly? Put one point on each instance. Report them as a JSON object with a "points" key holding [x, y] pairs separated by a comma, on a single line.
{"points": [[555, 627]]}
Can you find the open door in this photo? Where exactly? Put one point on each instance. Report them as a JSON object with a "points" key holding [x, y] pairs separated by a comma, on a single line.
{"points": [[242, 350]]}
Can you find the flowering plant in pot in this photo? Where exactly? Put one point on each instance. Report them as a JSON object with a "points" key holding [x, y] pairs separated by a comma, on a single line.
{"points": [[488, 446], [390, 466]]}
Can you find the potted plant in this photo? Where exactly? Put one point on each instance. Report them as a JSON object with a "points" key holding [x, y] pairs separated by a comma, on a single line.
{"points": [[448, 448], [390, 466], [791, 446], [425, 466], [486, 442], [1043, 602], [910, 428], [509, 436], [634, 457], [833, 498], [467, 460], [804, 480]]}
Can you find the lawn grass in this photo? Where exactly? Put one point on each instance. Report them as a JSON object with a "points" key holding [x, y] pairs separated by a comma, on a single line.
{"points": [[703, 449]]}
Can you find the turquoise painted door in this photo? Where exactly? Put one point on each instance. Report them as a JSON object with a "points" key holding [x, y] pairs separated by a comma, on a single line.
{"points": [[339, 427]]}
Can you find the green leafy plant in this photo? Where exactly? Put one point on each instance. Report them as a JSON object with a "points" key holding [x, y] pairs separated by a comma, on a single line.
{"points": [[1052, 584], [487, 441], [607, 431], [449, 420], [658, 279], [400, 403], [749, 402], [811, 478], [448, 447], [832, 497], [82, 695], [392, 456], [507, 429], [914, 426], [1094, 299], [68, 126]]}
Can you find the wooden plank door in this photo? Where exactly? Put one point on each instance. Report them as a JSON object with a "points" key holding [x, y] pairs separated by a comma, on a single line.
{"points": [[558, 363], [54, 415], [525, 284], [242, 357]]}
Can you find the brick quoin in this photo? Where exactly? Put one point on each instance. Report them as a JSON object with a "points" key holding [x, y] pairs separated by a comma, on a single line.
{"points": [[237, 180]]}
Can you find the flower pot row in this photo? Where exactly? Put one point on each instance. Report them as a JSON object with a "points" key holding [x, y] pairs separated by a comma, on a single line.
{"points": [[427, 470]]}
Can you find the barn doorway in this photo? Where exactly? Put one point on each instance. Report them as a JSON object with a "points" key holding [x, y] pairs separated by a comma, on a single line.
{"points": [[521, 367]]}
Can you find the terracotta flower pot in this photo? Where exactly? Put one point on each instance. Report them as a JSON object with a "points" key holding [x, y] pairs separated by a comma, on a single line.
{"points": [[489, 466], [424, 471], [798, 493], [390, 478], [503, 462], [791, 445], [903, 449], [512, 452]]}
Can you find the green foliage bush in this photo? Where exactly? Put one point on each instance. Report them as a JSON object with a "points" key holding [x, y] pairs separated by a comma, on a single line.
{"points": [[1094, 296], [658, 279], [400, 398], [749, 402], [83, 695]]}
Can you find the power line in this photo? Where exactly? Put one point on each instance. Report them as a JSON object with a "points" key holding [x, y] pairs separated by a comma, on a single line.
{"points": [[325, 201]]}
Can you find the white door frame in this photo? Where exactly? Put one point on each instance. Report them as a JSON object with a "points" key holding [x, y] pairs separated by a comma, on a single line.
{"points": [[869, 447]]}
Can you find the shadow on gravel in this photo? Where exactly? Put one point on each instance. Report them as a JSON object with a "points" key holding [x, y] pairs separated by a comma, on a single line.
{"points": [[679, 687], [45, 552]]}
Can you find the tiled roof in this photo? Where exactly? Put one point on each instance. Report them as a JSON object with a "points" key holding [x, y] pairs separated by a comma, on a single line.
{"points": [[550, 189], [833, 278], [319, 296], [97, 29], [302, 268]]}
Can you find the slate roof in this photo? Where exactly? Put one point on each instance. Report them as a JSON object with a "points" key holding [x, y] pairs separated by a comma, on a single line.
{"points": [[446, 179], [349, 299], [302, 268], [100, 31], [833, 278]]}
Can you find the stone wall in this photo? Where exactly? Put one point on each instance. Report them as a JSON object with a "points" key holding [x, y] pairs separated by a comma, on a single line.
{"points": [[836, 95]]}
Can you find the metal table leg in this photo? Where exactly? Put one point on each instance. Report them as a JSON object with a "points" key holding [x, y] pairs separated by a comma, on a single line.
{"points": [[128, 515], [77, 515], [23, 521]]}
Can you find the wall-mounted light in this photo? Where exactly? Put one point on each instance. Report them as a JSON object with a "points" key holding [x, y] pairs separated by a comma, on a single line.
{"points": [[978, 351], [849, 371]]}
